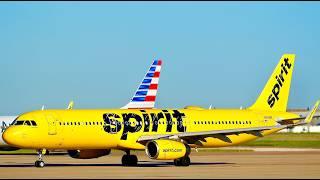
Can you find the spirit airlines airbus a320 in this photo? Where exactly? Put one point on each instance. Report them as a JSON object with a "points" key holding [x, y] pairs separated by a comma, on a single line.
{"points": [[165, 134]]}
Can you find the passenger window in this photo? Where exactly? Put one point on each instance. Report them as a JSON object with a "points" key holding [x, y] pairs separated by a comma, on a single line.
{"points": [[89, 123]]}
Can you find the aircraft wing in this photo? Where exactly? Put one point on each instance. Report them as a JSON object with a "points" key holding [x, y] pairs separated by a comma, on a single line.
{"points": [[214, 133], [222, 134]]}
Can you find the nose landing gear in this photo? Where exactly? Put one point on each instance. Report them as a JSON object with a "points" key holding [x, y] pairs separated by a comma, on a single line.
{"points": [[39, 163]]}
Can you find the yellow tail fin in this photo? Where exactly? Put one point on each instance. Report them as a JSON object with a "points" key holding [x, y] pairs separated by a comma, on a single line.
{"points": [[274, 96]]}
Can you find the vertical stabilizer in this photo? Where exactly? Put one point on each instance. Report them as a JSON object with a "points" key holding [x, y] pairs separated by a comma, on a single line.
{"points": [[145, 95], [274, 96]]}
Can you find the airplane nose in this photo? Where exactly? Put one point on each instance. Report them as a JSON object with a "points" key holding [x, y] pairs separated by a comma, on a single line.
{"points": [[12, 137]]}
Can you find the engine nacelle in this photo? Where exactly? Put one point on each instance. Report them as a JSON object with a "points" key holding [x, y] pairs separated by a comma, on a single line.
{"points": [[88, 154], [164, 149]]}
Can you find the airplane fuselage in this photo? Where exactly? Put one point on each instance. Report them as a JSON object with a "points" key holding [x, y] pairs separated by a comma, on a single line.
{"points": [[120, 129]]}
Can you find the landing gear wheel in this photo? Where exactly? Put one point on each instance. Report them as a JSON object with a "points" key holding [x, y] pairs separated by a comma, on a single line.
{"points": [[134, 160], [184, 161], [177, 162], [129, 160], [39, 164], [125, 160]]}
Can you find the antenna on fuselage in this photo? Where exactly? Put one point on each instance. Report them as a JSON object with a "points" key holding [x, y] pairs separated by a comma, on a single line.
{"points": [[70, 106]]}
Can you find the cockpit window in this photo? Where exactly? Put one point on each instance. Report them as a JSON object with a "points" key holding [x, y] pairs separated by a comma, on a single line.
{"points": [[28, 123], [33, 123], [25, 122], [18, 123]]}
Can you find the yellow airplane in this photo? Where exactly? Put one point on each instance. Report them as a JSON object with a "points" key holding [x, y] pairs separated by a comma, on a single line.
{"points": [[165, 134]]}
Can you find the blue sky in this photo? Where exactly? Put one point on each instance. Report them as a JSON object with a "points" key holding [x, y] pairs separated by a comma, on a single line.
{"points": [[96, 53]]}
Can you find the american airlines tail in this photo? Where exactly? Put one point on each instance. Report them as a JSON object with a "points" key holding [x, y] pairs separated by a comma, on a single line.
{"points": [[145, 95], [274, 96]]}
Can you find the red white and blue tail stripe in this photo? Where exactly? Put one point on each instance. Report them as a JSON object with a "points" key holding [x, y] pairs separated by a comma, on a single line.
{"points": [[145, 96]]}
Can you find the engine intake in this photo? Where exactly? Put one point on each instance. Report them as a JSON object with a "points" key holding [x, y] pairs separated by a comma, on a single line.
{"points": [[166, 149], [88, 154]]}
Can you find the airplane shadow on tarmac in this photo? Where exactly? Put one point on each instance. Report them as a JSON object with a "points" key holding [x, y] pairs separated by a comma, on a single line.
{"points": [[146, 164]]}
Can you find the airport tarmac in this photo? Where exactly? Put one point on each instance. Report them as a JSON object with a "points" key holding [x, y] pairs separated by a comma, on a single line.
{"points": [[269, 164]]}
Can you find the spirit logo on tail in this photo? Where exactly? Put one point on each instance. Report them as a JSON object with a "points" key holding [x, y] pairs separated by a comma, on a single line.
{"points": [[274, 96]]}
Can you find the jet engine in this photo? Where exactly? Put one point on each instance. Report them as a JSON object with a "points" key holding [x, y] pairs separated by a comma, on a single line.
{"points": [[164, 149], [89, 153]]}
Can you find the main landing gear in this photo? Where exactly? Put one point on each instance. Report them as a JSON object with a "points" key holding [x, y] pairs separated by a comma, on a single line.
{"points": [[39, 163], [129, 160], [184, 161]]}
